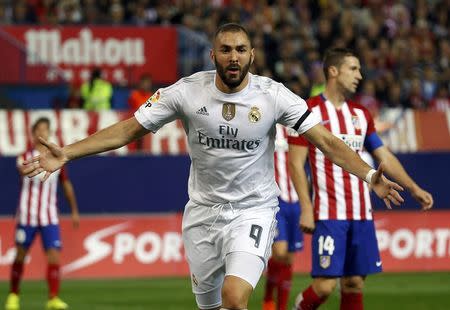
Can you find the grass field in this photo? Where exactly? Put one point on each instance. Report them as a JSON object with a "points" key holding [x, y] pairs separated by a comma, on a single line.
{"points": [[418, 291]]}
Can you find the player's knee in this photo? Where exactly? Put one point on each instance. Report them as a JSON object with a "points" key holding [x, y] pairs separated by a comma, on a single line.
{"points": [[352, 284], [324, 287], [234, 296]]}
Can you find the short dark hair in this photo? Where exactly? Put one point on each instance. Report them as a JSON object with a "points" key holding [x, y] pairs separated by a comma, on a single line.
{"points": [[232, 27], [40, 120], [335, 57]]}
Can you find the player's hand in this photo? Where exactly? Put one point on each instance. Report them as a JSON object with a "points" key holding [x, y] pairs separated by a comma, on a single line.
{"points": [[307, 224], [49, 161], [424, 198], [75, 220], [386, 189]]}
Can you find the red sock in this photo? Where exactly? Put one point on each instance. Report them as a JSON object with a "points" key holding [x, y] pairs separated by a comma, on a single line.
{"points": [[310, 300], [284, 286], [53, 280], [16, 276], [273, 270], [352, 301]]}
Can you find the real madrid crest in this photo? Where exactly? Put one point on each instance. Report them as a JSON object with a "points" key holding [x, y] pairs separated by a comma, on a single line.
{"points": [[228, 111], [254, 115]]}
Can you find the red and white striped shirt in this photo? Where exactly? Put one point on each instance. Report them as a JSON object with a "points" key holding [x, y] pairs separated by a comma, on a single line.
{"points": [[282, 177], [339, 195], [37, 204]]}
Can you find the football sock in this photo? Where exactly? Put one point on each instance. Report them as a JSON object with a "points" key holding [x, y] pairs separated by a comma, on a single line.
{"points": [[284, 286], [53, 280], [351, 301], [16, 276], [308, 300], [273, 270]]}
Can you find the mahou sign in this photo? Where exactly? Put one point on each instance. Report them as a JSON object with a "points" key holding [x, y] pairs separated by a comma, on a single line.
{"points": [[46, 55]]}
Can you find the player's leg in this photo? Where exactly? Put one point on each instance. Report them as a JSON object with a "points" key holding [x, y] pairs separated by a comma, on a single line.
{"points": [[202, 245], [24, 238], [328, 258], [51, 242], [243, 271], [363, 258], [249, 237], [277, 261], [288, 240], [352, 292]]}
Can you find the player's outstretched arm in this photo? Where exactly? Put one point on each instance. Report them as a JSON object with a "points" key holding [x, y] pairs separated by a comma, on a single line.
{"points": [[106, 139], [340, 154], [395, 170], [297, 159]]}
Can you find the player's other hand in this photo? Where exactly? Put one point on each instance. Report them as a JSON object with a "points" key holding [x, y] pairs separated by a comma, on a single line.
{"points": [[49, 161], [307, 224], [75, 220], [386, 189], [424, 198]]}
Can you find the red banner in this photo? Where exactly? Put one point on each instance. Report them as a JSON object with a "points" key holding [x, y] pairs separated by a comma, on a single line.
{"points": [[151, 245], [46, 55]]}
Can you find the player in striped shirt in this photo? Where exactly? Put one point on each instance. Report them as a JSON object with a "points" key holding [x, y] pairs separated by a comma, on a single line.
{"points": [[230, 118], [37, 213], [344, 244], [288, 238]]}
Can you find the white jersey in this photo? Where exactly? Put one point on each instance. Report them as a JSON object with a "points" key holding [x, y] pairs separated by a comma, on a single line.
{"points": [[230, 136]]}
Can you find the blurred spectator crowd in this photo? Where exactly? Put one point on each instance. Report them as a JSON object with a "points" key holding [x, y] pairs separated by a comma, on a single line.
{"points": [[403, 45]]}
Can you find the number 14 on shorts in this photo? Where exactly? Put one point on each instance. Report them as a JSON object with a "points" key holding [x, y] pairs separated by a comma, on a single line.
{"points": [[326, 243]]}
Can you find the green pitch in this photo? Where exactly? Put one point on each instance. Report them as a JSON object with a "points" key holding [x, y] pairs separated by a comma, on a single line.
{"points": [[418, 291]]}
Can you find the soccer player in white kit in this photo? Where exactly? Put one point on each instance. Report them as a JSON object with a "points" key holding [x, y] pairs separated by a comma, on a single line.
{"points": [[229, 116]]}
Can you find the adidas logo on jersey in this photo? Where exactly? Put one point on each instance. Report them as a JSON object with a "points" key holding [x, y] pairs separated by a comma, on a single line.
{"points": [[203, 111]]}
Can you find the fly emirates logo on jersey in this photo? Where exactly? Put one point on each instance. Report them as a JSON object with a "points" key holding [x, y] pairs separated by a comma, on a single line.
{"points": [[228, 139]]}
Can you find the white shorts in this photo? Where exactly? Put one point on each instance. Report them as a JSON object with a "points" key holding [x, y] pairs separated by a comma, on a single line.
{"points": [[210, 234]]}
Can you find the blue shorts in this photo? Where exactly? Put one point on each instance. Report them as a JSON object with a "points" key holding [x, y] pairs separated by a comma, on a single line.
{"points": [[344, 248], [50, 236], [288, 227]]}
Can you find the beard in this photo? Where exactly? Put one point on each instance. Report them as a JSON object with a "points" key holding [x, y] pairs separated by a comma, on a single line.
{"points": [[232, 81]]}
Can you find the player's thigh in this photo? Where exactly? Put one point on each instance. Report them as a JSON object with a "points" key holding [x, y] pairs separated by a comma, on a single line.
{"points": [[25, 235], [252, 232], [206, 265], [243, 271], [363, 256], [51, 237], [329, 243]]}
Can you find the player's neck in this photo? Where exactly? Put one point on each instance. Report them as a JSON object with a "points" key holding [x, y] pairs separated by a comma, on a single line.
{"points": [[224, 88], [333, 95]]}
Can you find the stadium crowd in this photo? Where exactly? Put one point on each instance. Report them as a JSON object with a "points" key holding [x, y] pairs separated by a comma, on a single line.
{"points": [[403, 45]]}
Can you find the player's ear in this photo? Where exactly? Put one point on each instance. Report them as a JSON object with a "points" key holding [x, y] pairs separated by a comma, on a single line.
{"points": [[252, 55], [212, 56], [333, 71]]}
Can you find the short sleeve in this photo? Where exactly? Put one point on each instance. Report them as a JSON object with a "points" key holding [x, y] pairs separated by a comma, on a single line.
{"points": [[161, 108], [293, 112]]}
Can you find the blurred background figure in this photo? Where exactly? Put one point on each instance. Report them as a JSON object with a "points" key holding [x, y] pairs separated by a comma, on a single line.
{"points": [[96, 93], [142, 92]]}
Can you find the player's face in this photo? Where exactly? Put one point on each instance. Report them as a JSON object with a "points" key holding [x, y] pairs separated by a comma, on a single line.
{"points": [[42, 130], [349, 75], [232, 55]]}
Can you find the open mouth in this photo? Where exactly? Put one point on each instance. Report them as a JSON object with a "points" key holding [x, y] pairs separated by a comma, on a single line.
{"points": [[233, 70]]}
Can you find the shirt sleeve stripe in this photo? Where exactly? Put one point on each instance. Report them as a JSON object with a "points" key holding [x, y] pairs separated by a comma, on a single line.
{"points": [[301, 120]]}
